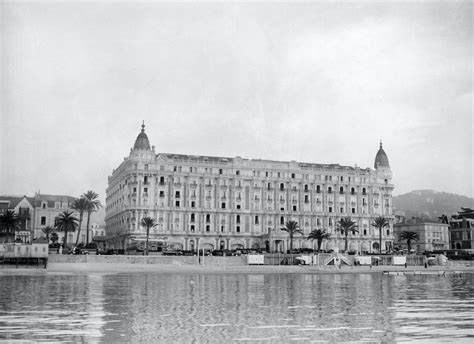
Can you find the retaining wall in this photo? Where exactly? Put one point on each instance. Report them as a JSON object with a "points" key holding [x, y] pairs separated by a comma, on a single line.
{"points": [[162, 260]]}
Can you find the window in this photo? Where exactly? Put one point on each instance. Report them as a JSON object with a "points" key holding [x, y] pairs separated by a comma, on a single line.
{"points": [[237, 229], [134, 189], [162, 180], [44, 206], [293, 175], [266, 174], [294, 208], [43, 220], [162, 194], [282, 186], [341, 189], [352, 191], [220, 171], [269, 186], [388, 231], [365, 231], [223, 205], [238, 206], [353, 210], [192, 217], [145, 190], [208, 218], [318, 188], [237, 173], [177, 203], [342, 178], [306, 188], [145, 179], [237, 220], [330, 209], [282, 220], [256, 220], [222, 229], [208, 228], [341, 210], [193, 204], [329, 189], [192, 228], [178, 194], [306, 199], [363, 191]]}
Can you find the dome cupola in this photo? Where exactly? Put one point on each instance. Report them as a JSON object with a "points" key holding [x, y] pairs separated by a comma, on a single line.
{"points": [[381, 159], [142, 142]]}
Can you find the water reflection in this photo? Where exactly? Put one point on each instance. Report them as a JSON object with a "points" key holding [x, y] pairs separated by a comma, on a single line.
{"points": [[214, 308]]}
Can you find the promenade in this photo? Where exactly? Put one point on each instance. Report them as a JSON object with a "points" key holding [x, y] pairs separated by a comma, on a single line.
{"points": [[132, 264]]}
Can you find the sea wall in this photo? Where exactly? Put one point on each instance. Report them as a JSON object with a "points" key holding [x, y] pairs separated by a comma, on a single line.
{"points": [[161, 260]]}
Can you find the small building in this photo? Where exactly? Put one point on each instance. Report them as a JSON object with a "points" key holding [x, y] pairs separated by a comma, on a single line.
{"points": [[461, 230], [23, 206], [433, 236]]}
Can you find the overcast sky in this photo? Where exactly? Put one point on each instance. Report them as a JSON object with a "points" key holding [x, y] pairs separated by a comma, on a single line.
{"points": [[313, 82]]}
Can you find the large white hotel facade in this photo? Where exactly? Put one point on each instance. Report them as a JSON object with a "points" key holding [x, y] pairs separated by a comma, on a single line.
{"points": [[229, 203]]}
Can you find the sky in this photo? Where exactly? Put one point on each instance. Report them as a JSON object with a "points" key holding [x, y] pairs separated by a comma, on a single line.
{"points": [[319, 82]]}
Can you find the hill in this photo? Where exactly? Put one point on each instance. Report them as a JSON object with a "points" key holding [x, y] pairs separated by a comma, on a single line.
{"points": [[430, 204]]}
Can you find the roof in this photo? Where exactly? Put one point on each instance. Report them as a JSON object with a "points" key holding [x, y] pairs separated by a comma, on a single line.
{"points": [[142, 142], [10, 202], [50, 199], [225, 160], [381, 159]]}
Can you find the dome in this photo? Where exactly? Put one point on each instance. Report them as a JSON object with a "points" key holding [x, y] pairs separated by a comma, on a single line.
{"points": [[381, 159], [142, 142]]}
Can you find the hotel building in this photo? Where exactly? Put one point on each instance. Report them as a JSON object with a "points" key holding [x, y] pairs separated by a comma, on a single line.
{"points": [[204, 202]]}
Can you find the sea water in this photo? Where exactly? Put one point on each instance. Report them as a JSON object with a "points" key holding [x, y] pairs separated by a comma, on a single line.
{"points": [[233, 308]]}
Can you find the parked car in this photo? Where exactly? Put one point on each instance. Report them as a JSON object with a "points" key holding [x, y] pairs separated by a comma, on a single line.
{"points": [[77, 250]]}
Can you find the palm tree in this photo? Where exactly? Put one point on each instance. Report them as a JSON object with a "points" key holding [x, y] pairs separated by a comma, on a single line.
{"points": [[148, 223], [54, 237], [409, 236], [319, 235], [292, 227], [346, 225], [80, 205], [380, 222], [94, 205], [48, 230], [66, 222], [9, 223]]}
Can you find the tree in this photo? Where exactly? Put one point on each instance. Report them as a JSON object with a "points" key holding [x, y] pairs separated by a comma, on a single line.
{"points": [[48, 230], [346, 225], [94, 205], [54, 237], [9, 224], [292, 227], [80, 205], [409, 237], [148, 223], [380, 222], [319, 235], [66, 223]]}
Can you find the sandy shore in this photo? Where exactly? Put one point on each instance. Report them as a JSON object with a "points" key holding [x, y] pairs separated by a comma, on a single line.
{"points": [[86, 268]]}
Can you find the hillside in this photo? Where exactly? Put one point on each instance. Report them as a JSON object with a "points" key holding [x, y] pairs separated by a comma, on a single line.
{"points": [[430, 203]]}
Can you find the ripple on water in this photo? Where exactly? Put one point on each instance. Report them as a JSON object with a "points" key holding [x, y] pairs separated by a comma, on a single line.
{"points": [[215, 308]]}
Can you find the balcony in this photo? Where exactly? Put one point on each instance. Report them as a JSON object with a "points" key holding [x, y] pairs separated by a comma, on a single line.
{"points": [[223, 187], [193, 186], [177, 185]]}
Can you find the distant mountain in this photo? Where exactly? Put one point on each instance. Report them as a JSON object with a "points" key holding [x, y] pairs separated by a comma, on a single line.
{"points": [[430, 204]]}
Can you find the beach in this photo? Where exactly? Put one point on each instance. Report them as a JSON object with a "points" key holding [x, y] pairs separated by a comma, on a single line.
{"points": [[174, 267]]}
